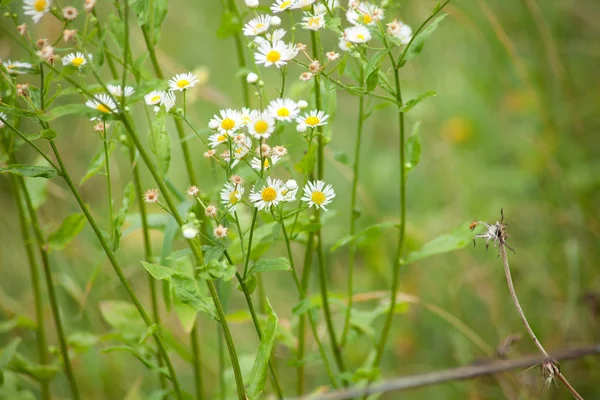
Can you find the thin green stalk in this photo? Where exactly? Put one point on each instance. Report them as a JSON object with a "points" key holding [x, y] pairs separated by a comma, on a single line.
{"points": [[195, 250], [239, 47], [307, 266], [313, 324], [316, 45], [198, 380], [118, 270], [60, 331], [108, 183], [35, 282], [353, 215], [254, 216]]}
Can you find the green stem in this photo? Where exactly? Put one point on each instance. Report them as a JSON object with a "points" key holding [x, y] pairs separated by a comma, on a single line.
{"points": [[353, 216], [60, 331], [17, 183], [109, 184], [198, 380], [239, 47], [118, 270], [254, 216]]}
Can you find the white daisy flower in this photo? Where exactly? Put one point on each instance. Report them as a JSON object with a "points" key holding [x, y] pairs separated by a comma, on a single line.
{"points": [[303, 4], [364, 14], [168, 100], [240, 150], [103, 103], [261, 125], [313, 22], [313, 119], [345, 45], [257, 25], [278, 53], [36, 8], [16, 67], [217, 139], [245, 116], [76, 59], [117, 91], [400, 31], [3, 116], [267, 163], [318, 195], [231, 195], [268, 196], [283, 109], [282, 5], [154, 97], [357, 34], [289, 190], [183, 81], [228, 122]]}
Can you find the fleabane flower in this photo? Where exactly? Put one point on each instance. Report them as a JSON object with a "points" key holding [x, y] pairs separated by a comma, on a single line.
{"points": [[313, 22], [283, 109], [267, 196], [357, 34], [282, 5], [227, 122], [16, 67], [103, 103], [151, 196], [154, 97], [183, 81], [70, 13], [168, 100], [277, 53], [240, 149], [231, 195], [261, 124], [217, 139], [345, 45], [364, 14], [313, 119], [220, 232], [36, 8], [117, 91], [267, 163], [257, 25], [76, 59], [400, 31], [289, 190], [303, 4], [317, 195]]}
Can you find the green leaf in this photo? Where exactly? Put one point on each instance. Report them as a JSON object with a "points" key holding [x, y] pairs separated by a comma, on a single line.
{"points": [[215, 269], [413, 148], [38, 190], [258, 374], [410, 104], [67, 231], [141, 9], [341, 157], [39, 372], [128, 198], [275, 264], [185, 288], [370, 232], [160, 12], [98, 162], [33, 171], [417, 45], [160, 142], [372, 80], [8, 353], [230, 25], [333, 24], [47, 134], [123, 317], [18, 112], [442, 244], [213, 252], [375, 62], [149, 332], [69, 109]]}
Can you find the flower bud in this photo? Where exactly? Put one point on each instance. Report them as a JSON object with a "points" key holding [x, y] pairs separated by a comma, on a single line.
{"points": [[251, 78], [275, 21], [252, 3], [301, 128], [302, 104]]}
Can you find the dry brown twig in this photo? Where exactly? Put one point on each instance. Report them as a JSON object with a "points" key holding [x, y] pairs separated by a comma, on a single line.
{"points": [[496, 233]]}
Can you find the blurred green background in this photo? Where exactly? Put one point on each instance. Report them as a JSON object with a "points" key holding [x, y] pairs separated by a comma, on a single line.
{"points": [[515, 126]]}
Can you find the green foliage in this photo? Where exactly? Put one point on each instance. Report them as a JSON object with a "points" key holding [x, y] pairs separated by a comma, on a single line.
{"points": [[128, 198], [410, 104], [9, 352], [123, 317], [413, 148], [33, 171], [455, 240], [419, 40], [369, 233], [230, 25], [98, 162], [258, 374], [266, 265], [160, 142], [68, 230]]}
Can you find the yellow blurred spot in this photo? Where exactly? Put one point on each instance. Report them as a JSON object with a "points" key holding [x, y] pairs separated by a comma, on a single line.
{"points": [[457, 129]]}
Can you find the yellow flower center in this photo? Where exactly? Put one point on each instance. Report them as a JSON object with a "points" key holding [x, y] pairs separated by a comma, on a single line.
{"points": [[318, 198], [360, 36], [367, 19], [266, 164], [182, 83], [233, 197], [77, 61], [259, 26], [312, 120], [155, 99], [102, 108], [268, 194], [283, 112], [261, 126], [273, 56], [11, 66], [221, 138], [228, 124], [285, 5], [313, 22], [39, 5]]}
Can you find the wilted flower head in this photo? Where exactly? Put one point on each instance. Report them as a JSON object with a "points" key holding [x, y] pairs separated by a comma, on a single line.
{"points": [[193, 191], [210, 211], [305, 76], [220, 232], [70, 13], [22, 29], [151, 196], [496, 233], [89, 5], [69, 34]]}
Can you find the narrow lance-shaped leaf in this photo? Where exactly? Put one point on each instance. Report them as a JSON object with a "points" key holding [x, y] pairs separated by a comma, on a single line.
{"points": [[67, 231], [413, 148], [98, 162], [275, 264], [128, 198], [258, 374], [8, 352], [442, 244], [410, 104], [417, 44], [160, 142], [33, 171]]}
